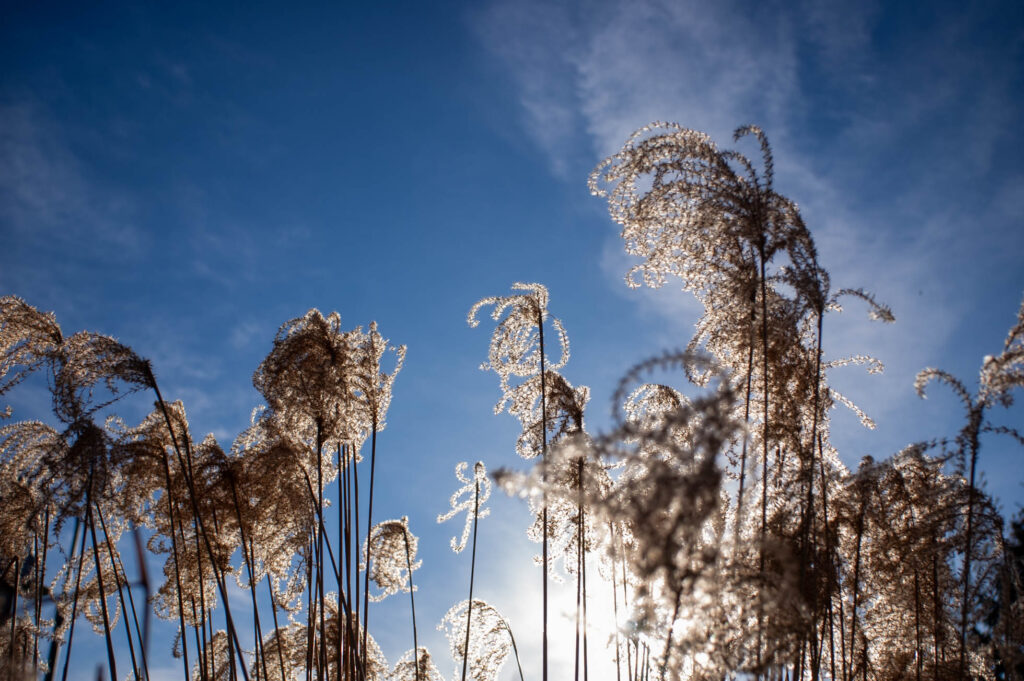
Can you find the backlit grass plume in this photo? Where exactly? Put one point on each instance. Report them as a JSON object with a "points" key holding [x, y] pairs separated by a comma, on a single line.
{"points": [[735, 540], [517, 349], [393, 548], [490, 642], [420, 669], [516, 344], [308, 378], [469, 498]]}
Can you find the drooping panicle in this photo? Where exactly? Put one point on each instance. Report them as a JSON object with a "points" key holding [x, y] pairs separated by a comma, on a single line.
{"points": [[1004, 372], [89, 360], [489, 640], [393, 550], [515, 343], [422, 669], [28, 340]]}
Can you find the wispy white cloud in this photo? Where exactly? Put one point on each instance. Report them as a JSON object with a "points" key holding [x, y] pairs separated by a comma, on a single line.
{"points": [[46, 189], [536, 39], [607, 68], [893, 150], [712, 66]]}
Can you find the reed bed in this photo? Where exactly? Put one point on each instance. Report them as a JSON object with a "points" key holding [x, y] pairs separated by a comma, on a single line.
{"points": [[735, 541]]}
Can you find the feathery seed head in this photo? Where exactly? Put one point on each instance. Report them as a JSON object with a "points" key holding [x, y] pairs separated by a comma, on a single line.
{"points": [[422, 669], [28, 339], [308, 377], [515, 343], [490, 642], [392, 550], [472, 495]]}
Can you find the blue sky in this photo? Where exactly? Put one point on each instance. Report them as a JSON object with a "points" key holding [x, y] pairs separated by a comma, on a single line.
{"points": [[188, 177]]}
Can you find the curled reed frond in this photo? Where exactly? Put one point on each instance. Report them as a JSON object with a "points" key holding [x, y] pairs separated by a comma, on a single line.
{"points": [[577, 476], [688, 213], [20, 520], [876, 311], [865, 420], [1004, 372], [666, 494], [515, 343], [489, 641], [650, 401], [393, 550], [686, 360], [676, 159], [140, 452], [465, 499], [90, 595], [166, 506], [90, 360], [925, 376], [327, 387], [873, 364], [63, 468], [28, 339]]}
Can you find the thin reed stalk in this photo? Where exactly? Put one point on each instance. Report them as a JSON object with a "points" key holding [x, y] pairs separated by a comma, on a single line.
{"points": [[544, 521], [99, 578], [630, 667], [975, 417], [369, 526], [310, 610], [831, 584], [808, 521], [321, 668], [412, 604], [746, 412], [168, 495], [856, 579], [581, 578], [41, 576], [74, 606], [120, 592], [586, 665], [198, 518], [277, 628], [615, 606], [344, 539], [140, 557], [14, 617], [353, 649], [764, 444], [472, 575], [203, 637], [249, 559], [515, 649]]}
